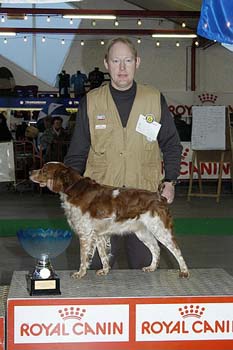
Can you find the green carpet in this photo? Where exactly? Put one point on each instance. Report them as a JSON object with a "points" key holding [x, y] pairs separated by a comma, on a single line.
{"points": [[189, 226]]}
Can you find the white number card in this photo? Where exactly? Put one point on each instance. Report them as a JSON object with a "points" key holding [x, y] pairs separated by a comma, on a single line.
{"points": [[147, 126]]}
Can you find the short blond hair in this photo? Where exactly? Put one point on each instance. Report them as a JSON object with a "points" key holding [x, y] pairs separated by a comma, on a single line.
{"points": [[122, 40]]}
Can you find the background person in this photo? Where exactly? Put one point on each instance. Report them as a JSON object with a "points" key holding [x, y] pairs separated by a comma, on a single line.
{"points": [[115, 142], [96, 78], [52, 141], [5, 134], [78, 82]]}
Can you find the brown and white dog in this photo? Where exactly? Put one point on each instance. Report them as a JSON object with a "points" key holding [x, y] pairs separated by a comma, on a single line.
{"points": [[95, 212]]}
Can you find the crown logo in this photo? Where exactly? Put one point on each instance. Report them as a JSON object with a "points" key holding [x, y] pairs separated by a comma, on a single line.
{"points": [[185, 153], [191, 311], [205, 97], [72, 313]]}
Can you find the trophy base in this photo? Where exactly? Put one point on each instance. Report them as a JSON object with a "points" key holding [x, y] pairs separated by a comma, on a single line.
{"points": [[49, 286]]}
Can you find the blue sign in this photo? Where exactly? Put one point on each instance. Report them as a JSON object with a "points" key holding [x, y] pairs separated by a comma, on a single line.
{"points": [[36, 103], [215, 21]]}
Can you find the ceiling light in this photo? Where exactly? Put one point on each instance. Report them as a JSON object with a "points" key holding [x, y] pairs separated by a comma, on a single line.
{"points": [[102, 42], [25, 39], [177, 44], [82, 43], [7, 33], [139, 22], [93, 23], [183, 25], [139, 41], [5, 40], [3, 19], [48, 19], [158, 43], [71, 21], [25, 17], [174, 35], [116, 23], [90, 16]]}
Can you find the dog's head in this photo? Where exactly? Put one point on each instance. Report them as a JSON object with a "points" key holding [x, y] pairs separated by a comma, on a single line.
{"points": [[56, 176]]}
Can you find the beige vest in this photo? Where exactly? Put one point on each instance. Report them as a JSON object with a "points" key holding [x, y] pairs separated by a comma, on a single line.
{"points": [[122, 156]]}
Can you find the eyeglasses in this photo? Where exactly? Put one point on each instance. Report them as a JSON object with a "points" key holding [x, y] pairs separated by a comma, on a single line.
{"points": [[128, 61]]}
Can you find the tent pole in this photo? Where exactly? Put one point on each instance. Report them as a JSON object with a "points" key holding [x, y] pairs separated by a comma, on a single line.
{"points": [[34, 63]]}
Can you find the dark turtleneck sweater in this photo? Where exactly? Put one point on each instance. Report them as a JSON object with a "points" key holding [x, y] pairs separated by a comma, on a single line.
{"points": [[124, 101]]}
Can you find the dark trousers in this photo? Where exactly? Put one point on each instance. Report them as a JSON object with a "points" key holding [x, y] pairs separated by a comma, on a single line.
{"points": [[137, 254]]}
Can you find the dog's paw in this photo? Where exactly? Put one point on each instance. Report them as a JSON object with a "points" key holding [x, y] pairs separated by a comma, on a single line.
{"points": [[148, 269], [102, 272], [78, 274], [184, 274]]}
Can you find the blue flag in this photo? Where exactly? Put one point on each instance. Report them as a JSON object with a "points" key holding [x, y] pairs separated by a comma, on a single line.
{"points": [[216, 20]]}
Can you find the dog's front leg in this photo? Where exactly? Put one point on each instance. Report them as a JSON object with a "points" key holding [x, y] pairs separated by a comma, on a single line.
{"points": [[103, 245], [85, 247]]}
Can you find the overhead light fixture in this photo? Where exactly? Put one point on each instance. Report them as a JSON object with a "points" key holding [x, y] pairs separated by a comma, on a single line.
{"points": [[7, 33], [90, 16], [174, 35]]}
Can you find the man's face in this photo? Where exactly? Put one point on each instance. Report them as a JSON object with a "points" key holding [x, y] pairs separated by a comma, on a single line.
{"points": [[57, 124], [121, 66]]}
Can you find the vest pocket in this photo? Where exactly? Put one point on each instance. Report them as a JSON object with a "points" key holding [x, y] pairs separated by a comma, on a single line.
{"points": [[148, 145], [102, 139]]}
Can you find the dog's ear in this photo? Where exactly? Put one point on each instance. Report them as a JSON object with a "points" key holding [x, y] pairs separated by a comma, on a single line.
{"points": [[61, 180]]}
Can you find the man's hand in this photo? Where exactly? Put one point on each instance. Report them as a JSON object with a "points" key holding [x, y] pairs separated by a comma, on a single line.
{"points": [[168, 191]]}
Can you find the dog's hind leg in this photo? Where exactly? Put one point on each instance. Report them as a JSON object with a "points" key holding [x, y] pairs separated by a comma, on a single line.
{"points": [[151, 243], [103, 246], [166, 237]]}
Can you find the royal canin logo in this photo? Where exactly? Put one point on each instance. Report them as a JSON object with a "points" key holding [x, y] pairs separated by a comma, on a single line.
{"points": [[191, 311], [193, 322], [72, 313], [72, 323], [206, 97]]}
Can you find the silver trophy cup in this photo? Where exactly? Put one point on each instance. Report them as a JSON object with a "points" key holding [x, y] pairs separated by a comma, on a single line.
{"points": [[44, 244]]}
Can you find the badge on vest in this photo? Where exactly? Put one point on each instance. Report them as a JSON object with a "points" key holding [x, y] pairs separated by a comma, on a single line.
{"points": [[100, 126], [147, 126], [100, 117], [150, 118]]}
